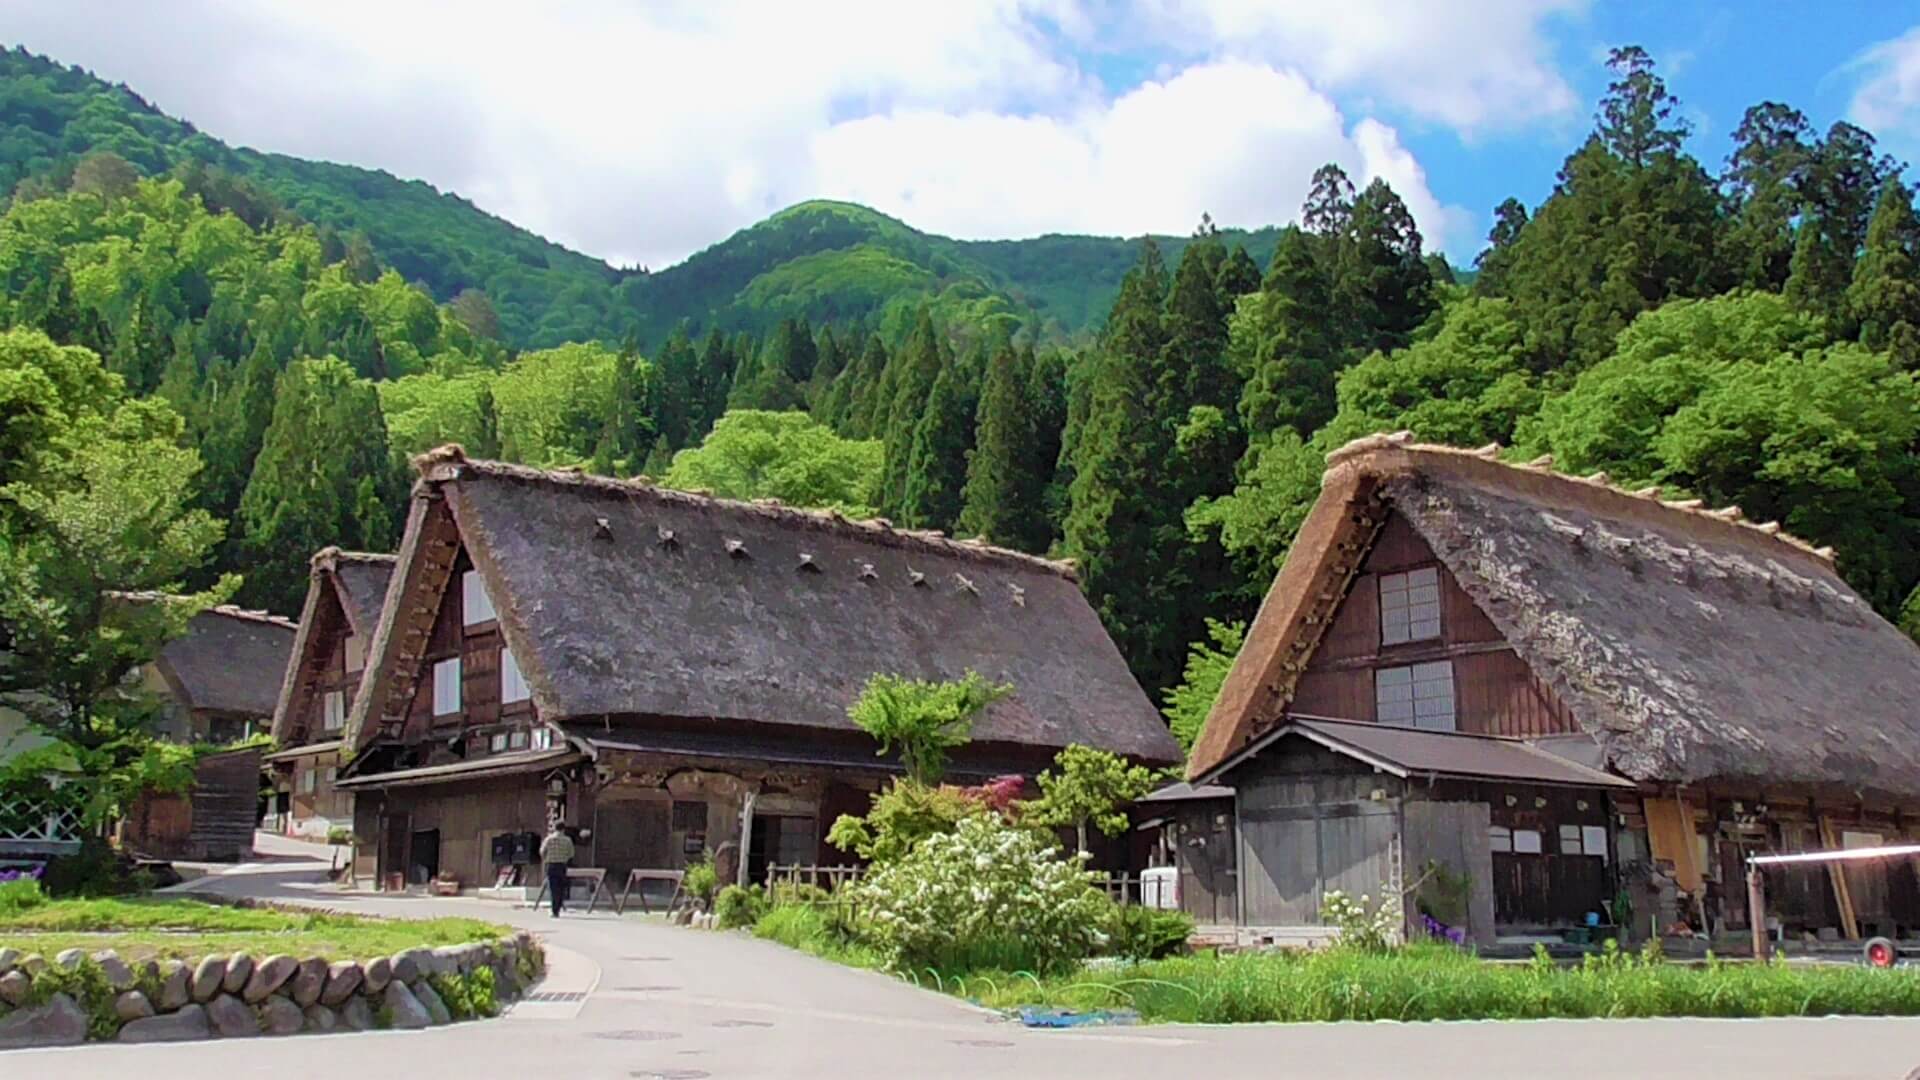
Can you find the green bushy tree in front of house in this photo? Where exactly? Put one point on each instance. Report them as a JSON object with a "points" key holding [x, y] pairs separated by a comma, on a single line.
{"points": [[1089, 787], [990, 895], [924, 720], [1188, 701]]}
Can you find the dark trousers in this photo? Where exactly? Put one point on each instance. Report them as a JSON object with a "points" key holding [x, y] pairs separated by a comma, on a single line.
{"points": [[557, 885]]}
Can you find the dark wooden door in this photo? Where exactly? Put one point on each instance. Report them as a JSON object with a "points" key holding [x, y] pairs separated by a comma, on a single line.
{"points": [[1204, 846], [396, 830], [631, 836]]}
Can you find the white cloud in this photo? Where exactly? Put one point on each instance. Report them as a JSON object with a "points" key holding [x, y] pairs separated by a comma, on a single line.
{"points": [[642, 133], [1236, 140], [1479, 65], [1887, 100]]}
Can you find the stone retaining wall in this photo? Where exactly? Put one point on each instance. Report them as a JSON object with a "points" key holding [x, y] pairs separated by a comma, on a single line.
{"points": [[76, 997]]}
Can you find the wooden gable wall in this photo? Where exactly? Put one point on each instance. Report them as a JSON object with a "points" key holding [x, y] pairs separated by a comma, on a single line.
{"points": [[1494, 691], [478, 645]]}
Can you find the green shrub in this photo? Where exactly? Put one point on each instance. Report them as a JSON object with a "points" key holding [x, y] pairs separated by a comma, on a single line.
{"points": [[19, 895], [701, 880], [340, 836], [95, 870], [901, 816], [988, 895], [1143, 933], [739, 905], [87, 985], [482, 991], [1364, 925], [454, 993]]}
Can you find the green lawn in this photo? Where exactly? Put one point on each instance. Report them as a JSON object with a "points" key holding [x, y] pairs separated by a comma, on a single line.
{"points": [[144, 928], [1441, 983]]}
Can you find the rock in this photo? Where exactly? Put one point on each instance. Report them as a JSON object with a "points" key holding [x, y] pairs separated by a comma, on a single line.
{"points": [[447, 960], [69, 958], [132, 1005], [14, 986], [9, 959], [231, 1019], [278, 1016], [357, 1014], [33, 963], [188, 1024], [208, 975], [430, 997], [239, 970], [119, 975], [60, 1022], [308, 980], [320, 1018], [342, 980], [407, 1012], [410, 964], [176, 986], [378, 973], [268, 976]]}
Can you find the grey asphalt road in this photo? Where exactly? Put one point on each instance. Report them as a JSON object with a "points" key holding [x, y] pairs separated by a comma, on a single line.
{"points": [[664, 1002]]}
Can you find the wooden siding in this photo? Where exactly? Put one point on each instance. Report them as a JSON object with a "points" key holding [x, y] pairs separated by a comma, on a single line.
{"points": [[482, 714], [1308, 823], [1494, 691], [1203, 841], [1454, 835], [466, 816], [213, 822]]}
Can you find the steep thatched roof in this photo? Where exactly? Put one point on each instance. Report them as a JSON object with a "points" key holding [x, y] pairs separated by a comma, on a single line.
{"points": [[229, 660], [1691, 643], [624, 599], [343, 586]]}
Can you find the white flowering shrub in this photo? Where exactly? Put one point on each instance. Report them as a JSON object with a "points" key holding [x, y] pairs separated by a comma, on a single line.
{"points": [[1363, 924], [987, 895]]}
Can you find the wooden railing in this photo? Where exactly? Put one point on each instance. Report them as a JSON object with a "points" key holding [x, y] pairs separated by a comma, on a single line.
{"points": [[829, 878], [1122, 888]]}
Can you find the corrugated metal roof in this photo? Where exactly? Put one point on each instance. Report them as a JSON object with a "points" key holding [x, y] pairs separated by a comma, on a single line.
{"points": [[1407, 751], [1183, 791]]}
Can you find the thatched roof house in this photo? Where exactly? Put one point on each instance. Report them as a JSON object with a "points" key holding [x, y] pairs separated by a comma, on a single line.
{"points": [[652, 631], [1691, 643], [1751, 698], [221, 674]]}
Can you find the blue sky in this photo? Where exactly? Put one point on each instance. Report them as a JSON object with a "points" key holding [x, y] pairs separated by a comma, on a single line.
{"points": [[644, 131]]}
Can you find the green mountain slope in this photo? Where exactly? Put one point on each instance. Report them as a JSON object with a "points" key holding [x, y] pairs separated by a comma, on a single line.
{"points": [[51, 115], [828, 261]]}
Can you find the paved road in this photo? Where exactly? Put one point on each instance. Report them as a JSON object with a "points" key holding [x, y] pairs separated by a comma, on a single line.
{"points": [[663, 1002]]}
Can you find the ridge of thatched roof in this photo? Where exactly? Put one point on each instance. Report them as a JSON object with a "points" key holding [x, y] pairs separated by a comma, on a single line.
{"points": [[1692, 645], [621, 599], [356, 583], [435, 463]]}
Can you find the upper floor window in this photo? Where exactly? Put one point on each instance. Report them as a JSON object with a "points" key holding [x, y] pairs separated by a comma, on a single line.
{"points": [[356, 647], [474, 600], [333, 710], [446, 687], [1410, 606], [513, 685], [1418, 695]]}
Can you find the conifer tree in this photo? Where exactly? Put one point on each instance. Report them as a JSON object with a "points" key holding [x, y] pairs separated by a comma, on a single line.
{"points": [[715, 379], [1005, 487], [937, 463], [1284, 341], [1763, 181], [487, 445], [676, 407], [1383, 283], [1238, 276], [324, 476], [1508, 219], [1843, 181], [912, 374], [1885, 293]]}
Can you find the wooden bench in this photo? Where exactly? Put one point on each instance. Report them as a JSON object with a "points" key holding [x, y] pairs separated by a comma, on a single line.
{"points": [[595, 875]]}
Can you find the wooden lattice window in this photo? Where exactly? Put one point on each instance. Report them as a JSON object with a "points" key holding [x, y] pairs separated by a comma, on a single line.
{"points": [[1417, 695], [1410, 606]]}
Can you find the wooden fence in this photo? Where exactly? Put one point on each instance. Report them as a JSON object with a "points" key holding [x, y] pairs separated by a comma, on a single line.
{"points": [[829, 878]]}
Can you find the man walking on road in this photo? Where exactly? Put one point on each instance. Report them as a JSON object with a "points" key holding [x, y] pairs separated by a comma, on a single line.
{"points": [[557, 851]]}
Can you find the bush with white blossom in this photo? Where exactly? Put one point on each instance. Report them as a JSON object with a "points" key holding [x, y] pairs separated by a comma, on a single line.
{"points": [[1363, 924], [988, 894]]}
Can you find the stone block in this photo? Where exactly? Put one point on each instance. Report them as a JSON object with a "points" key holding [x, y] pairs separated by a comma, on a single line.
{"points": [[9, 959], [378, 973], [342, 980], [320, 1018], [279, 1016], [119, 975], [188, 1024], [33, 963], [69, 958], [430, 997], [176, 986], [239, 970], [410, 964], [357, 1015], [208, 977], [407, 1011], [132, 1005], [14, 986], [60, 1022], [308, 980], [231, 1019], [269, 976]]}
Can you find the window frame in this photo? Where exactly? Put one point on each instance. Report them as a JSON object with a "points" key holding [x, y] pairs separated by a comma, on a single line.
{"points": [[472, 587], [1389, 677], [1398, 605], [354, 650], [454, 692], [331, 718]]}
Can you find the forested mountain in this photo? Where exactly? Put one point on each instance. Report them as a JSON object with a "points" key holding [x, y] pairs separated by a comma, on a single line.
{"points": [[1744, 332]]}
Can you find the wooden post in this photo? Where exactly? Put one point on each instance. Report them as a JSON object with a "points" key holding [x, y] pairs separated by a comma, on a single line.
{"points": [[1837, 873], [746, 838], [1757, 910]]}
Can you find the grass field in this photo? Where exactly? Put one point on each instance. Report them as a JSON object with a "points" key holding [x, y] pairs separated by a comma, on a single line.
{"points": [[1442, 983], [145, 928]]}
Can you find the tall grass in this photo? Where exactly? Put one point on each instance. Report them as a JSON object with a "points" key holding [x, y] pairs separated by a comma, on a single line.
{"points": [[807, 928], [1441, 983]]}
